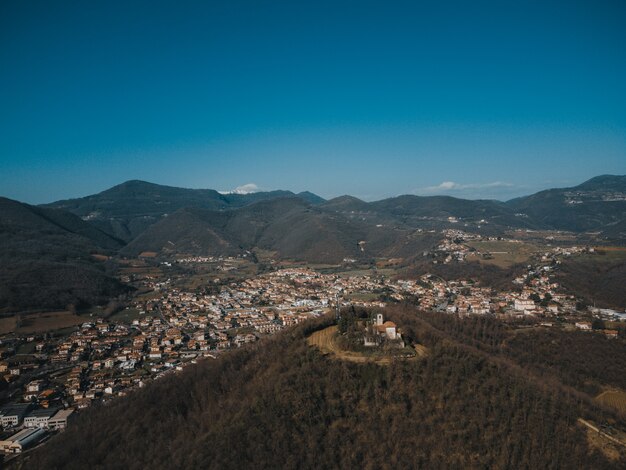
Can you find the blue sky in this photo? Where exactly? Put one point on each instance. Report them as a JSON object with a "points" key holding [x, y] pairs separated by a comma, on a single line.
{"points": [[474, 99]]}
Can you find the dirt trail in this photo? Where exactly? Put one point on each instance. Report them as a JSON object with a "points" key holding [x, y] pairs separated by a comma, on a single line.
{"points": [[600, 432]]}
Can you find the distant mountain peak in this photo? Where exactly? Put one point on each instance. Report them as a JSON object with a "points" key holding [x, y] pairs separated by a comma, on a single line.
{"points": [[135, 184], [345, 198], [346, 203], [311, 197]]}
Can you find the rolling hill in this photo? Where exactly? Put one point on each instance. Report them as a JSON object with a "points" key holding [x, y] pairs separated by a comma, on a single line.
{"points": [[431, 212], [346, 203], [284, 404], [288, 226], [598, 205], [46, 259], [150, 217], [126, 210]]}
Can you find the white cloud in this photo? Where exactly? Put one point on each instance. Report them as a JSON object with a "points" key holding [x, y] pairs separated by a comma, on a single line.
{"points": [[492, 190], [448, 186], [246, 189], [243, 189]]}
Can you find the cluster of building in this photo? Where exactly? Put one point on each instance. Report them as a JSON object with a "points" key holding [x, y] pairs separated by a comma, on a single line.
{"points": [[104, 358], [27, 424], [453, 245], [174, 327], [456, 246]]}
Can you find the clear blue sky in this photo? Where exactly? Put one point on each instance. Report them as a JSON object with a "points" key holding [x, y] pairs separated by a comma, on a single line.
{"points": [[474, 99]]}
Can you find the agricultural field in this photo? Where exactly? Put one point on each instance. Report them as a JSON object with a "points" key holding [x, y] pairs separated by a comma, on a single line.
{"points": [[198, 281], [606, 254], [40, 322], [128, 315], [367, 272], [139, 268], [7, 325], [541, 236], [141, 271], [615, 399], [503, 254]]}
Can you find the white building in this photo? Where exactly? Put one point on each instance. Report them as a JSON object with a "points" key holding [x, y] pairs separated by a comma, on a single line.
{"points": [[59, 420], [12, 414], [524, 305], [22, 440], [39, 418]]}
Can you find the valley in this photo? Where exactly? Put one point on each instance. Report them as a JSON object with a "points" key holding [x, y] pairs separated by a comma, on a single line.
{"points": [[152, 295]]}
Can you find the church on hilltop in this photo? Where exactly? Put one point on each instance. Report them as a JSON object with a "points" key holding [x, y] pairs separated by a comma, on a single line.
{"points": [[380, 331]]}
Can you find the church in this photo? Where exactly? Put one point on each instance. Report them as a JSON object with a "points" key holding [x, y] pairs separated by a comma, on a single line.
{"points": [[380, 331]]}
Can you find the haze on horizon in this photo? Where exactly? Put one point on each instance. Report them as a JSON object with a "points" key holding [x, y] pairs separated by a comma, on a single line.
{"points": [[482, 100]]}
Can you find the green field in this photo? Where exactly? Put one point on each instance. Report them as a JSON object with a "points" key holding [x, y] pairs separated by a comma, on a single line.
{"points": [[128, 315]]}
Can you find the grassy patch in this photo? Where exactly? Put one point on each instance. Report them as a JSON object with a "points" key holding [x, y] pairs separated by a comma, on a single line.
{"points": [[27, 348], [40, 322], [503, 254], [127, 315], [7, 325], [604, 254]]}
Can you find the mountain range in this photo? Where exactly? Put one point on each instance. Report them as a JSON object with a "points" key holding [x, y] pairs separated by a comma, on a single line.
{"points": [[599, 204], [126, 210], [137, 216]]}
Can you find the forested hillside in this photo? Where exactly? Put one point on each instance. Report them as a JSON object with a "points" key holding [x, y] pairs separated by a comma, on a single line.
{"points": [[597, 204], [128, 209], [282, 404], [46, 259], [289, 227]]}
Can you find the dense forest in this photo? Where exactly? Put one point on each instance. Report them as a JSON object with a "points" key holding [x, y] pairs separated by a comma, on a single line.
{"points": [[282, 404], [46, 260], [600, 282], [50, 285], [583, 361]]}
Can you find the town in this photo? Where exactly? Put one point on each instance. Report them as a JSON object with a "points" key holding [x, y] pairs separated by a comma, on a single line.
{"points": [[165, 327]]}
